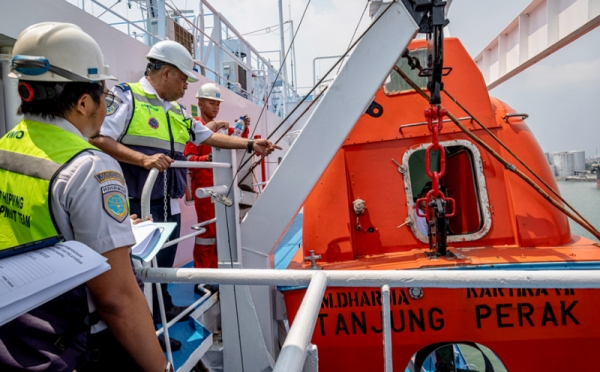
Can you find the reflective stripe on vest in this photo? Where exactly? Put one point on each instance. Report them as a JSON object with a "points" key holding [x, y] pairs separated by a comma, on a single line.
{"points": [[151, 142], [203, 241], [30, 155], [149, 125], [28, 165]]}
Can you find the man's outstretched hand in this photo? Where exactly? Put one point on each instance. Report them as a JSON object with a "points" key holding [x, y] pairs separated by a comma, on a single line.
{"points": [[264, 147]]}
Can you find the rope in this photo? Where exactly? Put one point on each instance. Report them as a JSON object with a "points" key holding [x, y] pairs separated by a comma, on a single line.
{"points": [[255, 164], [356, 29], [517, 158], [267, 29], [414, 63], [243, 162], [324, 77], [506, 164]]}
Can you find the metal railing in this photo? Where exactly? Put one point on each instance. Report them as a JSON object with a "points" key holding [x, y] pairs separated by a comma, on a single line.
{"points": [[295, 347], [145, 211], [211, 50], [147, 190], [297, 344]]}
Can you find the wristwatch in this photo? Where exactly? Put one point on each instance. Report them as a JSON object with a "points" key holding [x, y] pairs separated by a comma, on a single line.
{"points": [[168, 367], [250, 146]]}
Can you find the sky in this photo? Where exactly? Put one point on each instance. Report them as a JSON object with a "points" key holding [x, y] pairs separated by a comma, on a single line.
{"points": [[560, 93]]}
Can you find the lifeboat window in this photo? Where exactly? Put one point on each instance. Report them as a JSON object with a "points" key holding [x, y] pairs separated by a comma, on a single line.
{"points": [[461, 356], [463, 182], [394, 84]]}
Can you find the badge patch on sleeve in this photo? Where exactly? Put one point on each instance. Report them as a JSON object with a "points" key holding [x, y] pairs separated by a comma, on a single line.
{"points": [[109, 176], [114, 106], [114, 202]]}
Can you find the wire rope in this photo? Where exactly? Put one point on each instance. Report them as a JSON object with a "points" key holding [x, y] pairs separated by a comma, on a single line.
{"points": [[356, 29], [506, 164], [416, 65], [324, 77]]}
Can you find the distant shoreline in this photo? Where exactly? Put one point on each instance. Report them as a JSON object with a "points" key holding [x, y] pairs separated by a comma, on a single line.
{"points": [[577, 178]]}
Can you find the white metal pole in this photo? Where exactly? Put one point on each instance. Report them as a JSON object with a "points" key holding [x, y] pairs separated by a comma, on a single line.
{"points": [[293, 353], [162, 21], [163, 316], [10, 92], [147, 193], [293, 61], [198, 164], [377, 278], [387, 329], [203, 192], [283, 69]]}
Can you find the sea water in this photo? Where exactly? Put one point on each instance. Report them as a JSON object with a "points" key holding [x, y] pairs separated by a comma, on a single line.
{"points": [[585, 198]]}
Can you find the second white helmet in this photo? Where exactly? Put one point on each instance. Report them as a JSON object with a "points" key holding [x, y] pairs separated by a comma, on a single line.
{"points": [[61, 52], [209, 91], [174, 53]]}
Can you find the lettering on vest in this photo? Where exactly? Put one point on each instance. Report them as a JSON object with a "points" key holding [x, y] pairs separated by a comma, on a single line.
{"points": [[11, 200], [18, 134], [150, 108], [9, 203]]}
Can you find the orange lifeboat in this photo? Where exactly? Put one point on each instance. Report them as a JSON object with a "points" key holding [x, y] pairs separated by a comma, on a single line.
{"points": [[500, 223]]}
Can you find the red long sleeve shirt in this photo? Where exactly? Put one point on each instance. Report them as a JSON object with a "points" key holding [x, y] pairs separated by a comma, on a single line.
{"points": [[203, 177]]}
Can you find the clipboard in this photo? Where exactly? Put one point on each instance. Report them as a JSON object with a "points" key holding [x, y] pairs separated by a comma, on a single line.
{"points": [[160, 236]]}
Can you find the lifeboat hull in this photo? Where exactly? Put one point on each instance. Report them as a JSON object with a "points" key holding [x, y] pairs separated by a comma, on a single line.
{"points": [[528, 329]]}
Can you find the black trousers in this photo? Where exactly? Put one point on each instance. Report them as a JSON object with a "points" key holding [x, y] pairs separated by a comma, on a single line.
{"points": [[165, 257], [107, 354]]}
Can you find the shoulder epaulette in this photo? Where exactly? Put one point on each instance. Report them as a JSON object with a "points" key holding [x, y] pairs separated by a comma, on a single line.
{"points": [[124, 86]]}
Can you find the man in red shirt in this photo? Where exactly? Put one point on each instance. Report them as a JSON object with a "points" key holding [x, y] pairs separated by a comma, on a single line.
{"points": [[209, 101]]}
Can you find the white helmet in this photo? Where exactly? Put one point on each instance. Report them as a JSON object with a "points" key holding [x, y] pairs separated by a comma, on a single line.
{"points": [[209, 91], [61, 52], [174, 53]]}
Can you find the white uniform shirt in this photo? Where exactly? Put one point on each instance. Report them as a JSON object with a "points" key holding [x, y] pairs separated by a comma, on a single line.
{"points": [[79, 195], [78, 202], [119, 114]]}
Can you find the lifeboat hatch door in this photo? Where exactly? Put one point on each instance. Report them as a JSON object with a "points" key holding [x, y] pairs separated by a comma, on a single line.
{"points": [[463, 181]]}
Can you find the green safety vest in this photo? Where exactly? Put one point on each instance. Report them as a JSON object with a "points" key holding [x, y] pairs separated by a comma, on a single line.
{"points": [[151, 127], [31, 154]]}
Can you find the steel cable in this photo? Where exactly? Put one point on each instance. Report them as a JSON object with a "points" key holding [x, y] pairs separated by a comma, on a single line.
{"points": [[506, 164], [414, 64], [323, 78], [517, 158]]}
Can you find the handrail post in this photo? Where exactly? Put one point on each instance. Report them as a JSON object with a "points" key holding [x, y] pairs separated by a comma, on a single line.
{"points": [[293, 353], [163, 316], [387, 329], [228, 224], [147, 193]]}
